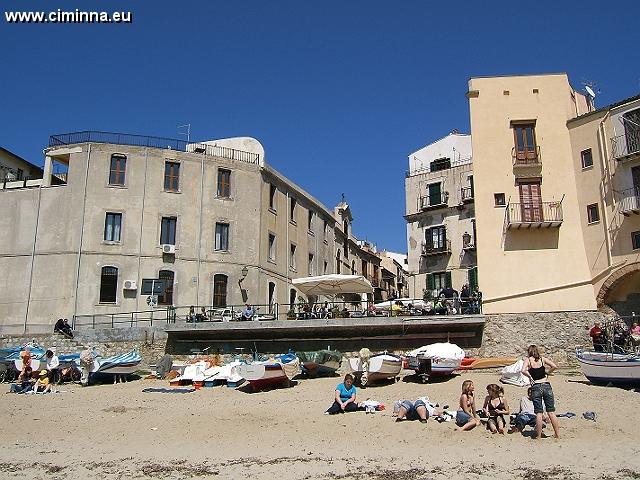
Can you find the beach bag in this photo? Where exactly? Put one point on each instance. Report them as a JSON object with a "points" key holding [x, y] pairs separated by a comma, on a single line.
{"points": [[513, 375]]}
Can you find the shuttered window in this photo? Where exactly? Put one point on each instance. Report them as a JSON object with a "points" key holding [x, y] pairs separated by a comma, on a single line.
{"points": [[220, 290], [531, 202]]}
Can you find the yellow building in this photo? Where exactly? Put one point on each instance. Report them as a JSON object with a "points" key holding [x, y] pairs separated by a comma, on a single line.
{"points": [[532, 250]]}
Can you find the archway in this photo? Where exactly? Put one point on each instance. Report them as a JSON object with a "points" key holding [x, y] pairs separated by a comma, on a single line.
{"points": [[621, 290]]}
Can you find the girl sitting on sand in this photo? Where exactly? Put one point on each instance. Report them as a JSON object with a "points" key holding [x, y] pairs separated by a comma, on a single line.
{"points": [[345, 397], [466, 417], [495, 407]]}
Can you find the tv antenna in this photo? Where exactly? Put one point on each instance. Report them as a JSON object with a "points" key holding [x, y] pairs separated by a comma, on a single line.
{"points": [[186, 130], [592, 91]]}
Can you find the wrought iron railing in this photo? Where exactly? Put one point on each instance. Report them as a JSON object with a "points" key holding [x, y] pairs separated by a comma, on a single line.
{"points": [[154, 142], [433, 200], [534, 213], [629, 199], [436, 249], [627, 144], [466, 193], [526, 157], [427, 169]]}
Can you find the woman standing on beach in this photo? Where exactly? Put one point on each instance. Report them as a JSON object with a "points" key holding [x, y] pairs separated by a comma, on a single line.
{"points": [[466, 417], [345, 398], [536, 369]]}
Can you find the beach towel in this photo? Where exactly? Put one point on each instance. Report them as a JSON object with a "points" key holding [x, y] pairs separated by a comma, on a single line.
{"points": [[168, 390], [513, 375]]}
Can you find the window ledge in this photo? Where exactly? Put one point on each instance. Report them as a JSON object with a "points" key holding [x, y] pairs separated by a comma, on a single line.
{"points": [[107, 304], [499, 206], [590, 167], [310, 232], [272, 260], [293, 222], [115, 185], [595, 222], [227, 199], [111, 242], [172, 191], [222, 251]]}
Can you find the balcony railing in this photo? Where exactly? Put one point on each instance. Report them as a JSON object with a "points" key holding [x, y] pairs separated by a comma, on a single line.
{"points": [[468, 242], [534, 215], [154, 142], [626, 145], [439, 249], [431, 201], [466, 193], [526, 158], [629, 200], [427, 169]]}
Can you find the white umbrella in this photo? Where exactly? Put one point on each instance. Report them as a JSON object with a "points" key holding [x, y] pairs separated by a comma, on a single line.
{"points": [[333, 284]]}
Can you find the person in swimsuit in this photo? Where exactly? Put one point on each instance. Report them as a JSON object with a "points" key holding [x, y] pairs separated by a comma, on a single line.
{"points": [[536, 369], [495, 407], [466, 417]]}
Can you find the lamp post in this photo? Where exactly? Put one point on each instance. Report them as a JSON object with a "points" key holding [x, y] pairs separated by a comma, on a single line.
{"points": [[244, 272]]}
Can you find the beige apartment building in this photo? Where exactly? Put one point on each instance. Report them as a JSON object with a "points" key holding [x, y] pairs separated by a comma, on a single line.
{"points": [[206, 224], [554, 194], [440, 215]]}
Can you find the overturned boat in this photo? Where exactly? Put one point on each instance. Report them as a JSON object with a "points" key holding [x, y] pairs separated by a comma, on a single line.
{"points": [[437, 359], [320, 362], [123, 364], [371, 368], [275, 371]]}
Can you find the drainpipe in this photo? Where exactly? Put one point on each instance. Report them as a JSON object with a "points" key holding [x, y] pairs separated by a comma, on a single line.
{"points": [[605, 171], [33, 254], [144, 197], [84, 205], [288, 248], [200, 231]]}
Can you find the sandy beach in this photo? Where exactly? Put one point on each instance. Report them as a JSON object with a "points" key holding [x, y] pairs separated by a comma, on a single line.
{"points": [[118, 431]]}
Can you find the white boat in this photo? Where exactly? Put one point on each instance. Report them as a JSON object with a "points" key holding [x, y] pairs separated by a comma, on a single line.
{"points": [[124, 364], [381, 366], [609, 368], [221, 374], [277, 370], [445, 358]]}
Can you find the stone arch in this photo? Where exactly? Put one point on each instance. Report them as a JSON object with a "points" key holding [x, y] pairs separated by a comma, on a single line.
{"points": [[614, 280]]}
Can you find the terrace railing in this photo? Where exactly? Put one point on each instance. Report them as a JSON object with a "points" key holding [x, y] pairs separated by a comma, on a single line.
{"points": [[625, 145], [153, 142]]}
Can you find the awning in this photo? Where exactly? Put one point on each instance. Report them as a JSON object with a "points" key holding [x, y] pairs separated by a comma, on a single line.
{"points": [[333, 284]]}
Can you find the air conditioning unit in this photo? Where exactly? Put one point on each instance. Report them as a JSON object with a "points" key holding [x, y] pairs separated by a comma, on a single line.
{"points": [[168, 249], [130, 285]]}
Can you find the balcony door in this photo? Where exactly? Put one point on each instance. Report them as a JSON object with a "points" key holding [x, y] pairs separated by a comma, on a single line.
{"points": [[635, 175], [525, 142], [531, 202], [632, 130]]}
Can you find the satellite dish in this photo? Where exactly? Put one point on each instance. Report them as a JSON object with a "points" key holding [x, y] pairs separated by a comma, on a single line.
{"points": [[590, 91]]}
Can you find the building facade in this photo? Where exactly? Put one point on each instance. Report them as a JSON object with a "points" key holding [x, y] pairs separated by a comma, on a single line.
{"points": [[554, 195], [440, 215], [206, 224]]}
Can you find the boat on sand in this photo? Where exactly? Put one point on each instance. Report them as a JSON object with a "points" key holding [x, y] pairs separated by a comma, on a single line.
{"points": [[275, 371], [369, 368], [605, 368], [320, 362]]}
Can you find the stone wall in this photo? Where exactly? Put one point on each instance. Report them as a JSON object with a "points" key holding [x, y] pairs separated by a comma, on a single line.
{"points": [[558, 333]]}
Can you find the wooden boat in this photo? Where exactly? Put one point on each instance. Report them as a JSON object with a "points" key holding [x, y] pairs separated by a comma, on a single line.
{"points": [[320, 362], [609, 368], [123, 364], [489, 362], [275, 371], [382, 366], [444, 359]]}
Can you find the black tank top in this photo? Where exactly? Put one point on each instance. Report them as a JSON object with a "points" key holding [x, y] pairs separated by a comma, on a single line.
{"points": [[537, 373]]}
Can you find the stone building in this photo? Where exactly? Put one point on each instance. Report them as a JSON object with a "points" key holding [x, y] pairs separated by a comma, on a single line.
{"points": [[441, 232], [206, 224]]}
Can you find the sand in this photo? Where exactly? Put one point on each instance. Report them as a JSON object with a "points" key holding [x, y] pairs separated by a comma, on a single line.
{"points": [[117, 431]]}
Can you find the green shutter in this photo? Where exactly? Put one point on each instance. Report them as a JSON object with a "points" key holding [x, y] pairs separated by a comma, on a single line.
{"points": [[447, 279], [431, 284], [435, 194], [473, 277]]}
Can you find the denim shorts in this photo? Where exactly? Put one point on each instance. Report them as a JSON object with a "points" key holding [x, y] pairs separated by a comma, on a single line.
{"points": [[462, 418], [412, 408], [542, 392]]}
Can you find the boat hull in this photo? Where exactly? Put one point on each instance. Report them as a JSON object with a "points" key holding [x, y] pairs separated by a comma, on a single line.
{"points": [[606, 368], [382, 366], [439, 366], [262, 374]]}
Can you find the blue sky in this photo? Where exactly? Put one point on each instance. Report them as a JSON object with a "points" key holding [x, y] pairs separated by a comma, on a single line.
{"points": [[339, 93]]}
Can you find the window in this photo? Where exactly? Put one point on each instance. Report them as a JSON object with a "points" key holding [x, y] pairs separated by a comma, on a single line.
{"points": [[292, 297], [587, 158], [353, 267], [311, 270], [499, 200], [168, 231], [345, 247], [325, 231], [435, 238], [440, 164], [434, 192], [166, 297], [171, 176], [219, 290], [222, 237], [635, 240], [272, 197], [593, 215], [272, 246], [112, 223], [224, 183], [292, 257], [108, 284], [437, 281], [118, 169], [20, 174], [525, 141], [325, 267], [270, 296], [310, 221], [292, 211], [338, 262], [364, 268], [530, 202]]}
